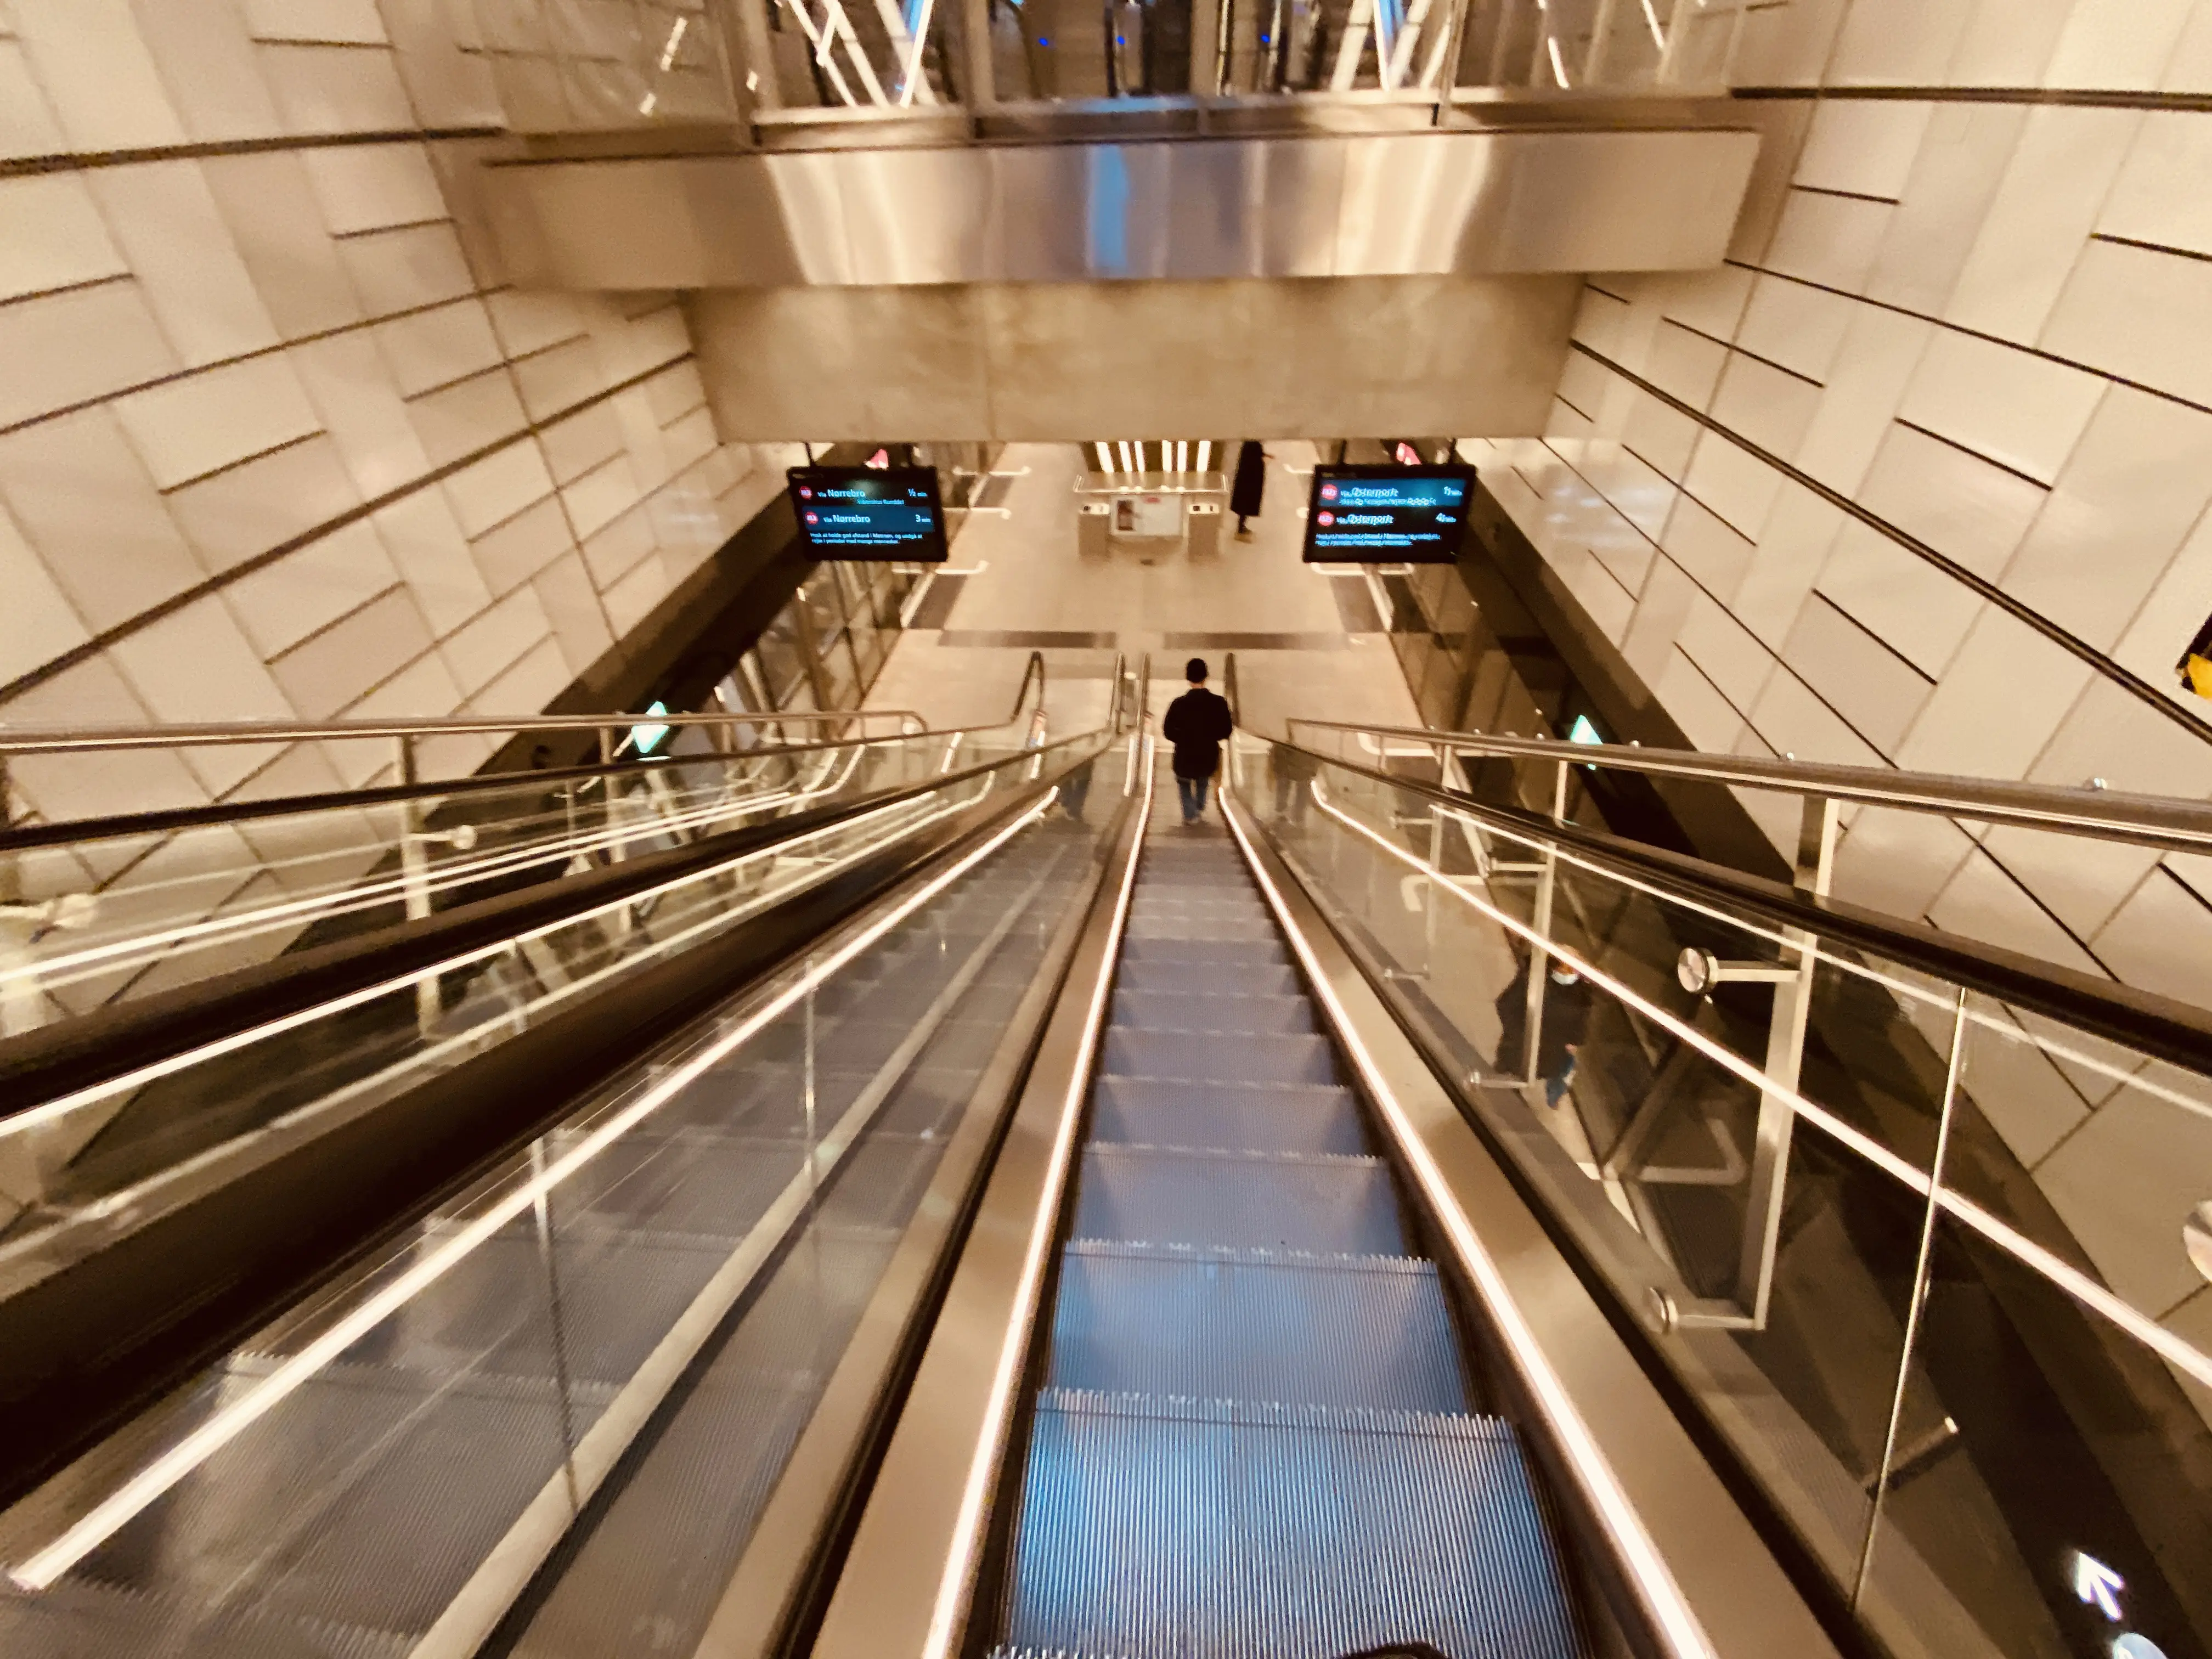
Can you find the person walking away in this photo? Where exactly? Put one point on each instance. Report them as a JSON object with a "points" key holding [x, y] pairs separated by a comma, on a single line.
{"points": [[1563, 1024], [1249, 484], [1197, 723]]}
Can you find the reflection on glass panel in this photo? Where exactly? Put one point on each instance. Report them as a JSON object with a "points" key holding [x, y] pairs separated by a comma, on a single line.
{"points": [[2052, 1476], [783, 662], [865, 54], [561, 65]]}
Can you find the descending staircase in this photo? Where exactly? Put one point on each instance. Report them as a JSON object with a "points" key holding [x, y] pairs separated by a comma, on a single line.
{"points": [[1254, 1441]]}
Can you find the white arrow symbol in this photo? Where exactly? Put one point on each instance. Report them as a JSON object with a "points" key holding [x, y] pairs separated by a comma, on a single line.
{"points": [[2096, 1582]]}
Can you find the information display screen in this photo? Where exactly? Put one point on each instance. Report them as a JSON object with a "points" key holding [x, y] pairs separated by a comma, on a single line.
{"points": [[1387, 515], [869, 512]]}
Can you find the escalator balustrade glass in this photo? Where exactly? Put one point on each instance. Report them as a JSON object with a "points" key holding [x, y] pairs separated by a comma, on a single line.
{"points": [[640, 1310], [1919, 1255]]}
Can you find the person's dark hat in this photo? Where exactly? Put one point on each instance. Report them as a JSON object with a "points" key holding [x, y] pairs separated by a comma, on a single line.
{"points": [[1194, 668]]}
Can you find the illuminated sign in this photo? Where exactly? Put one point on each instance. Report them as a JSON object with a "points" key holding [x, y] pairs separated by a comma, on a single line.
{"points": [[869, 512], [1387, 515], [646, 737]]}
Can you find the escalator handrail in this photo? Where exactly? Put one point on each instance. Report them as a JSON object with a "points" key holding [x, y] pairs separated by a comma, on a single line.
{"points": [[70, 831], [2171, 822], [81, 740], [61, 1061], [2160, 1026]]}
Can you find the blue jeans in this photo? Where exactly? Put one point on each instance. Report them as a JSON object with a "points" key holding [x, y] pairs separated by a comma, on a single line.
{"points": [[1192, 792]]}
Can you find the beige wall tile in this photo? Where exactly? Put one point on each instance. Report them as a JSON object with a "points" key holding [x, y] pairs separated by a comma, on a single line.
{"points": [[2140, 314], [1982, 903], [2160, 195], [599, 497], [1833, 241], [1795, 325], [282, 604], [1684, 363], [2135, 485], [337, 667], [575, 445], [1954, 179], [479, 653], [1663, 438], [97, 75], [1899, 596], [1997, 704], [1799, 530], [2080, 881], [1770, 407], [612, 553], [374, 186], [1897, 43], [530, 321], [207, 61], [27, 126], [630, 600], [80, 495], [572, 606], [1727, 654], [2012, 1083], [351, 387], [402, 270], [52, 236], [2047, 203], [510, 554], [337, 89], [438, 347], [1662, 605], [1879, 352], [346, 22], [60, 787], [462, 419], [187, 427], [643, 438], [63, 350], [425, 541], [1791, 720], [265, 502], [525, 688], [1734, 484], [1863, 146], [677, 390], [279, 230], [2111, 735], [1694, 703], [37, 623], [1860, 678], [1956, 502], [2022, 410], [498, 487], [2008, 43], [2189, 68], [559, 378], [186, 258], [195, 665], [2116, 44], [2169, 617], [1897, 862]]}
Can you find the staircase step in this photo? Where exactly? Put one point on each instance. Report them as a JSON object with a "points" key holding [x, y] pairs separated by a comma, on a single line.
{"points": [[1243, 1117], [1159, 1528], [1162, 1195], [1269, 977], [1227, 1056], [1369, 1332], [1181, 1011], [1231, 953]]}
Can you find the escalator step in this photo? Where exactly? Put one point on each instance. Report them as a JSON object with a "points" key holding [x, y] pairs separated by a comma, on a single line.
{"points": [[1233, 955], [1329, 1205], [1227, 1056], [1367, 1332], [1257, 977], [1200, 1529], [1183, 1010], [1243, 1117]]}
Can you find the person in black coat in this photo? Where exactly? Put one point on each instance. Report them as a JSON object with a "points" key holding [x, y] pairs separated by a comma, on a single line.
{"points": [[1249, 484], [1197, 723], [1562, 1026]]}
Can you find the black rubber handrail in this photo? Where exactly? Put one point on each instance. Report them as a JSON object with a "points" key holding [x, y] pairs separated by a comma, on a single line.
{"points": [[2152, 1024], [98, 1048]]}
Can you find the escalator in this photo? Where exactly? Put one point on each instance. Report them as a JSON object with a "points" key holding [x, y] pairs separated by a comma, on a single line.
{"points": [[993, 1227], [1254, 1380]]}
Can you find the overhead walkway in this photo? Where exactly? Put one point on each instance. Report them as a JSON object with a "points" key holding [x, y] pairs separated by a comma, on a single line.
{"points": [[977, 1217]]}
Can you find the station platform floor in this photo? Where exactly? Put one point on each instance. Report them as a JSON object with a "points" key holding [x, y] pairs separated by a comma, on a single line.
{"points": [[1306, 642]]}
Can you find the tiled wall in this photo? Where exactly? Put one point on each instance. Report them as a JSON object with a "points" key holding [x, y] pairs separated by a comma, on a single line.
{"points": [[1964, 334], [276, 437]]}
